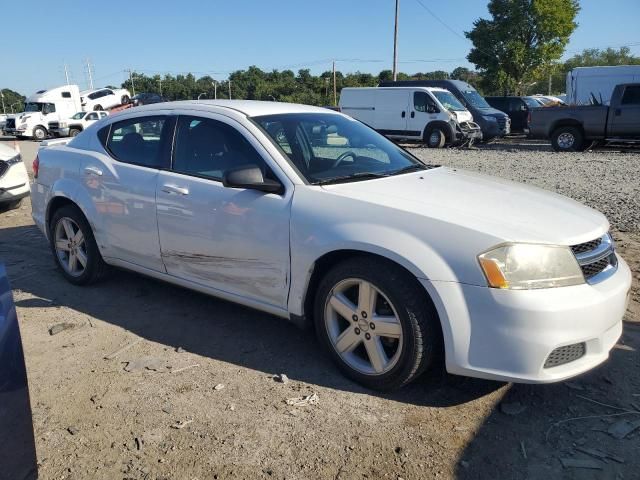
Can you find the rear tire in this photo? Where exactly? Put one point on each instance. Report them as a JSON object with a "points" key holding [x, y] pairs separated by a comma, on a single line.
{"points": [[64, 228], [435, 138], [125, 100], [97, 108], [412, 337], [567, 139]]}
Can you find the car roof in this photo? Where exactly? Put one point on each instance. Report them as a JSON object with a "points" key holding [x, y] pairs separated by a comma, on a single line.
{"points": [[250, 108]]}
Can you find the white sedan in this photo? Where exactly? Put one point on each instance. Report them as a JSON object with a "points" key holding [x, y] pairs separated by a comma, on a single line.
{"points": [[312, 216], [103, 98]]}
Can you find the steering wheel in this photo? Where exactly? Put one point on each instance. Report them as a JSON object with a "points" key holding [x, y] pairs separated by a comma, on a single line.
{"points": [[342, 157]]}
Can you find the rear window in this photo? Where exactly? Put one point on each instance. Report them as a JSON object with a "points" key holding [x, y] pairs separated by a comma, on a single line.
{"points": [[631, 96], [136, 141]]}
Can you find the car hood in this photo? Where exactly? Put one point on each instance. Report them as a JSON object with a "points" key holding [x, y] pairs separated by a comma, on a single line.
{"points": [[7, 152], [500, 208]]}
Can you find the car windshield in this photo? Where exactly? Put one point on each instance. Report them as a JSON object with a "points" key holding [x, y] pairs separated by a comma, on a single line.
{"points": [[33, 107], [475, 99], [332, 148], [448, 101], [78, 116]]}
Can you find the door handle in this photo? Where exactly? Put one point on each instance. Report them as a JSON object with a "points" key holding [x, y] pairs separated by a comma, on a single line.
{"points": [[413, 114], [93, 171], [404, 114], [175, 189]]}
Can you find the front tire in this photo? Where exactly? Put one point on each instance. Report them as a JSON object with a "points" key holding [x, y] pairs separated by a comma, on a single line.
{"points": [[376, 323], [567, 139], [74, 246], [73, 132], [39, 133], [435, 138], [125, 100]]}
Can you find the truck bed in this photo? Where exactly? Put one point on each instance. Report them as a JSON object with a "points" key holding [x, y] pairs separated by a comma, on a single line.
{"points": [[592, 118]]}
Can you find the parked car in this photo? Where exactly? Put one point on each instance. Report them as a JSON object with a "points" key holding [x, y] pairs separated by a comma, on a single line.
{"points": [[586, 85], [549, 100], [576, 128], [43, 107], [14, 180], [76, 124], [517, 108], [430, 115], [146, 99], [104, 98], [18, 452], [494, 123], [393, 260]]}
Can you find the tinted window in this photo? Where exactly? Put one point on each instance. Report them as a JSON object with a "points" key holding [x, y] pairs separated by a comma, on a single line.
{"points": [[631, 96], [420, 101], [66, 94], [516, 104], [208, 148], [137, 140], [475, 99], [497, 102], [92, 116]]}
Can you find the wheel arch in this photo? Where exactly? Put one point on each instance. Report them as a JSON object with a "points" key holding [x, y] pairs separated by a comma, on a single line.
{"points": [[566, 122], [444, 126]]}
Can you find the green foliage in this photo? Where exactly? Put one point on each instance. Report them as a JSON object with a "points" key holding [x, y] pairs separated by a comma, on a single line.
{"points": [[13, 101], [256, 84], [520, 40]]}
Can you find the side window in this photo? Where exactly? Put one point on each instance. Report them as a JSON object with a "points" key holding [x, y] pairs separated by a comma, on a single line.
{"points": [[420, 101], [137, 141], [49, 108], [102, 114], [66, 94], [93, 95], [207, 147], [107, 92], [631, 96], [92, 116]]}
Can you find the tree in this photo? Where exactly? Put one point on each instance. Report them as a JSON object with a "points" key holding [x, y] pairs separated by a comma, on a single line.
{"points": [[521, 39], [13, 101]]}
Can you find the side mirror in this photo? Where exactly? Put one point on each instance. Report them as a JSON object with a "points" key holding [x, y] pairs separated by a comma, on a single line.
{"points": [[250, 177]]}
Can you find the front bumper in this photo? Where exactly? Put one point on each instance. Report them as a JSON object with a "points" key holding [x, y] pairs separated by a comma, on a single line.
{"points": [[14, 184], [59, 131], [16, 132], [468, 132], [508, 335]]}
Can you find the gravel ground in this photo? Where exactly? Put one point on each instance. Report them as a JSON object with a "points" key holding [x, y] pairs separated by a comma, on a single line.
{"points": [[193, 396]]}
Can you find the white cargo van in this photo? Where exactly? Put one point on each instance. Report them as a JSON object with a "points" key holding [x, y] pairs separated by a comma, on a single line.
{"points": [[43, 107], [586, 85], [432, 115]]}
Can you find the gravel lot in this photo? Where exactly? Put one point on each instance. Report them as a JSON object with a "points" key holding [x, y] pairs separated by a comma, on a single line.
{"points": [[193, 396]]}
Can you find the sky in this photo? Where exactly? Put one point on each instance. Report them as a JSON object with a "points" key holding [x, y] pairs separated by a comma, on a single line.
{"points": [[215, 37]]}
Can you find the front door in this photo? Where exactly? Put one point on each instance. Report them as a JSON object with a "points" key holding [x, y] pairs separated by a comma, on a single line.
{"points": [[232, 240], [423, 111], [625, 119]]}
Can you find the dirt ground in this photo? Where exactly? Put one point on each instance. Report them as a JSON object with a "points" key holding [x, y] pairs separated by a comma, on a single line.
{"points": [[151, 381]]}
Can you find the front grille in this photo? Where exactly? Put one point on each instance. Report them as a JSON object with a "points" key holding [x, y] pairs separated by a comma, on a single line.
{"points": [[595, 256], [586, 246], [564, 355], [502, 122], [4, 166], [54, 124], [11, 123]]}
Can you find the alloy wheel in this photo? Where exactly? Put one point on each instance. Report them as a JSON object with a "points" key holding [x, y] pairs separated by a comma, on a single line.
{"points": [[70, 247], [566, 140], [363, 326]]}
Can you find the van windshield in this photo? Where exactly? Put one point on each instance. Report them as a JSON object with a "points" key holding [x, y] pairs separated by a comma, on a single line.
{"points": [[448, 101], [475, 99], [331, 148]]}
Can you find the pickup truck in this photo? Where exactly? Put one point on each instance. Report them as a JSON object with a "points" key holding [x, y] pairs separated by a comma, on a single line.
{"points": [[74, 125], [577, 128]]}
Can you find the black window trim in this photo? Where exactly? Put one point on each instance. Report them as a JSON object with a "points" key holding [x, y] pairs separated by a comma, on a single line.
{"points": [[163, 156], [198, 114], [632, 95]]}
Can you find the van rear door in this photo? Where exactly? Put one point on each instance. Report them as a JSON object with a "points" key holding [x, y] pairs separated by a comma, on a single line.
{"points": [[391, 111]]}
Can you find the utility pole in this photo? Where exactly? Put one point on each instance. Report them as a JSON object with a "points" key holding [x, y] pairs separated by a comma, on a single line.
{"points": [[395, 44], [133, 87], [215, 90], [229, 89], [2, 97], [549, 91], [90, 73], [159, 83], [335, 91], [66, 73]]}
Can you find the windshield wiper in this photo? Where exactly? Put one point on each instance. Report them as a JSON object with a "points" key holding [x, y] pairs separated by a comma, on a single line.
{"points": [[348, 178], [409, 168]]}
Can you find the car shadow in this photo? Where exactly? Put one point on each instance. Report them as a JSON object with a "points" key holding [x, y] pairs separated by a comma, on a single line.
{"points": [[177, 317]]}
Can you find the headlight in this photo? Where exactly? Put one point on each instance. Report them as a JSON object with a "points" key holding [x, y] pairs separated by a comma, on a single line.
{"points": [[14, 160], [24, 119], [523, 266]]}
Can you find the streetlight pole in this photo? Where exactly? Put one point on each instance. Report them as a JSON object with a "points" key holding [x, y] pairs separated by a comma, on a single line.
{"points": [[215, 90], [395, 44]]}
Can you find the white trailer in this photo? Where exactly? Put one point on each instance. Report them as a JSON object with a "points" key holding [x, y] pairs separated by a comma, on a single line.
{"points": [[43, 107], [584, 84]]}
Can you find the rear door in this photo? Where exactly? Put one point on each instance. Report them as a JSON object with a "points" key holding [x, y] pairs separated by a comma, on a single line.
{"points": [[391, 111], [625, 119], [518, 111], [121, 183]]}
